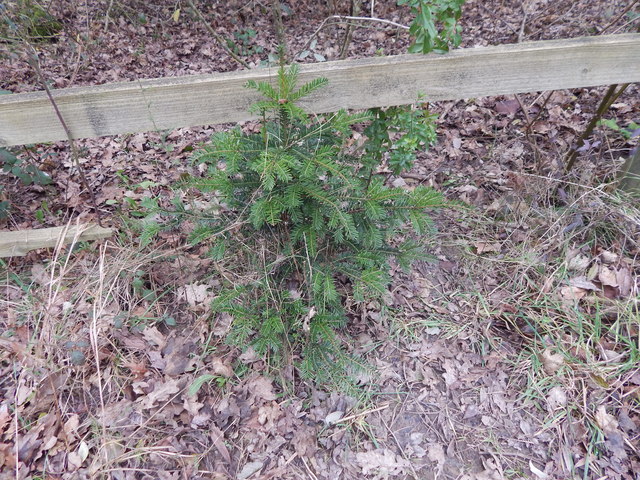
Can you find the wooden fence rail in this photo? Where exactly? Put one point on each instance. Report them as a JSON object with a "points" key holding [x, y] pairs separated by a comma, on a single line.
{"points": [[169, 103], [19, 243]]}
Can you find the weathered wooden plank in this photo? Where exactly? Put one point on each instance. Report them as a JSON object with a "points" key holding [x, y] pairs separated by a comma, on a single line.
{"points": [[169, 103], [20, 242]]}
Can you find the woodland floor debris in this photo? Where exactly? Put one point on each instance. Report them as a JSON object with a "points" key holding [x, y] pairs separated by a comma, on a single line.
{"points": [[509, 357]]}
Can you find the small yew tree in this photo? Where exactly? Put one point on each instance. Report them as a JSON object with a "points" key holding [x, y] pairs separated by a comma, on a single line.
{"points": [[298, 220]]}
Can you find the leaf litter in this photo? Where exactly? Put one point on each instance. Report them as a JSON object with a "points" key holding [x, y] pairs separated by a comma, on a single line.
{"points": [[454, 406]]}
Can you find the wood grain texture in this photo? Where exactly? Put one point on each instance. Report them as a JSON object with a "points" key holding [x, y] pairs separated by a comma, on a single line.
{"points": [[168, 103], [20, 242]]}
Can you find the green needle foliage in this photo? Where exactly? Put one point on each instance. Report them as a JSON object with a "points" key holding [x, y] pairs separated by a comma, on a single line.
{"points": [[298, 220]]}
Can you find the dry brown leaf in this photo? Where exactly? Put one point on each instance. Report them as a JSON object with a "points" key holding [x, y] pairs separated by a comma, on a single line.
{"points": [[556, 398], [261, 387], [607, 276], [605, 421], [5, 417], [197, 296], [625, 281], [217, 437], [486, 247], [381, 462], [153, 335], [161, 393], [218, 367], [551, 362], [572, 294]]}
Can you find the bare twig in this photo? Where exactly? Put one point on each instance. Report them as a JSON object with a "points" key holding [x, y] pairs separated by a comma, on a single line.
{"points": [[609, 98], [493, 15], [523, 24], [355, 10], [370, 19], [527, 133], [75, 156], [622, 14], [279, 27], [216, 36], [107, 16], [345, 19]]}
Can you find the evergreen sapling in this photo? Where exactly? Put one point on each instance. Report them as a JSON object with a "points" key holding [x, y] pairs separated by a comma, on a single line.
{"points": [[297, 221]]}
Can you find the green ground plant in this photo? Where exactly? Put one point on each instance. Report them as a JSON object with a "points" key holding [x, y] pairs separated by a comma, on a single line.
{"points": [[27, 19], [26, 172], [297, 220], [243, 42], [435, 26]]}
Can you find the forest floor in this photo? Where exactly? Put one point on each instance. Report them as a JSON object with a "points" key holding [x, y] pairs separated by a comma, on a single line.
{"points": [[514, 355]]}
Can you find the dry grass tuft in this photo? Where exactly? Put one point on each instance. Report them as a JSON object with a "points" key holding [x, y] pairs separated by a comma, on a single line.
{"points": [[557, 282]]}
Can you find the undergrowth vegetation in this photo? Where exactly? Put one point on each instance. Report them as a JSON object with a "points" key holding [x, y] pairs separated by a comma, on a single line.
{"points": [[559, 302], [297, 217]]}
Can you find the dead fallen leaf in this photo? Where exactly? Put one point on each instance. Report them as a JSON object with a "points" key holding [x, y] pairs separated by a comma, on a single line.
{"points": [[551, 362], [217, 437], [486, 247], [507, 107], [556, 398], [197, 296], [605, 421], [161, 393], [261, 387], [218, 367], [607, 276], [153, 335], [249, 469], [625, 281], [382, 462]]}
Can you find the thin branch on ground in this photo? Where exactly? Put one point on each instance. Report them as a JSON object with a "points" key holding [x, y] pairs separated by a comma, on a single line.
{"points": [[609, 99], [355, 10], [527, 132], [340, 19], [75, 155], [107, 16], [622, 14], [216, 36], [523, 24], [279, 27]]}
